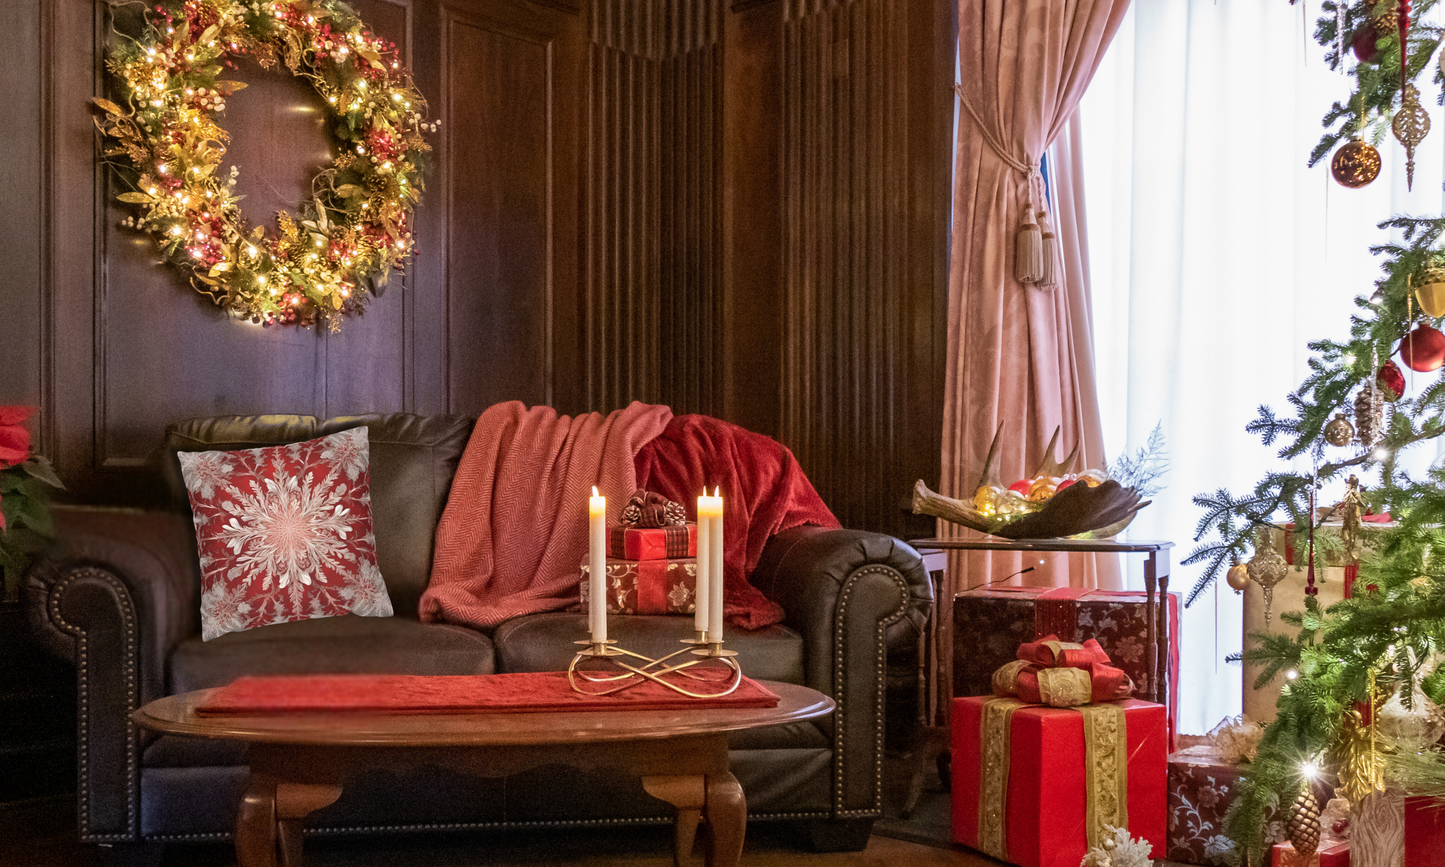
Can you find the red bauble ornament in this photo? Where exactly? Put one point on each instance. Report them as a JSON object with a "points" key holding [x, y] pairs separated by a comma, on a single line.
{"points": [[1363, 43], [1391, 380], [1423, 349]]}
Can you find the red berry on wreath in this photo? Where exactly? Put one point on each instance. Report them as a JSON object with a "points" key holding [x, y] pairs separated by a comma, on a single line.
{"points": [[1391, 380], [1423, 349]]}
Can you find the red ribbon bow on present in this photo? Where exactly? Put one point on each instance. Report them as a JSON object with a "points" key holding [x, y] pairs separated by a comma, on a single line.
{"points": [[1062, 674], [647, 510]]}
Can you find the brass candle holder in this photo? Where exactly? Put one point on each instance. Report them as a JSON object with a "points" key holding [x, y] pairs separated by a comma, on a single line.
{"points": [[603, 668]]}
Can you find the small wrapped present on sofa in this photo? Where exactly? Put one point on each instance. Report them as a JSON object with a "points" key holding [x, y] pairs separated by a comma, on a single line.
{"points": [[652, 527], [1039, 785]]}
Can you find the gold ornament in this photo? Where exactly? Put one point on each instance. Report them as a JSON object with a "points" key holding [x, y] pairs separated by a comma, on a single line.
{"points": [[1361, 764], [1430, 292], [1411, 125], [1355, 164], [1339, 432], [1369, 414], [1411, 729], [1266, 569], [1350, 509], [1237, 577], [1302, 824]]}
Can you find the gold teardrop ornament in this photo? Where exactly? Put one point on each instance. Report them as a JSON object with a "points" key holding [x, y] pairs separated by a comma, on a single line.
{"points": [[1411, 125]]}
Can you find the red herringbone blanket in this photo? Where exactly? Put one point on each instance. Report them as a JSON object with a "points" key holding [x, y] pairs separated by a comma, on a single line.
{"points": [[522, 485], [513, 536]]}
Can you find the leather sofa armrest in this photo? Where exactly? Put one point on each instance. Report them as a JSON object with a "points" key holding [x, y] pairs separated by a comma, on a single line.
{"points": [[852, 594], [148, 557], [115, 594]]}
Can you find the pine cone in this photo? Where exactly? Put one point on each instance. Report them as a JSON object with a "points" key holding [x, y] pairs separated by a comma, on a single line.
{"points": [[1302, 825], [1369, 415]]}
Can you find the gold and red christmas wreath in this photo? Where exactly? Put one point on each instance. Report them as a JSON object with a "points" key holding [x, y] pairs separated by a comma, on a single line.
{"points": [[169, 148]]}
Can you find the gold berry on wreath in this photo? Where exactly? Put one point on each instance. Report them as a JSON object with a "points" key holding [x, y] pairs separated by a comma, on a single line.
{"points": [[169, 148], [1356, 163]]}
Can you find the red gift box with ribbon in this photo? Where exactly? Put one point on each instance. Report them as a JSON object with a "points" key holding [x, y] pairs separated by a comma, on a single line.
{"points": [[676, 542], [1043, 803], [1038, 785]]}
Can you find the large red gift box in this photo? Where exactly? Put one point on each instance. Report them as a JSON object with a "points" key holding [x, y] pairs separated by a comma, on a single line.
{"points": [[647, 586], [1424, 832], [1328, 855], [989, 624], [652, 543], [1045, 806]]}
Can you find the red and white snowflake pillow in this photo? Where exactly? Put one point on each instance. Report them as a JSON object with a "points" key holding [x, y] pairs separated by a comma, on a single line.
{"points": [[284, 533]]}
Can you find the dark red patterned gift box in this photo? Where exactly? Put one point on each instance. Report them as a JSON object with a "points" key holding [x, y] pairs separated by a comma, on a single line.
{"points": [[990, 624], [648, 586]]}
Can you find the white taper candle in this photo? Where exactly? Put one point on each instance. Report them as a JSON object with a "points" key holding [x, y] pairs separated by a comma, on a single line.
{"points": [[597, 567], [700, 591], [715, 570]]}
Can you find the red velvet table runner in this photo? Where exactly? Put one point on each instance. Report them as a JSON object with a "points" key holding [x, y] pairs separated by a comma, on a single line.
{"points": [[483, 693]]}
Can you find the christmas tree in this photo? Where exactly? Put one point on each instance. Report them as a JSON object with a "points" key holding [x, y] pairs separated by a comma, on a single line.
{"points": [[1360, 707]]}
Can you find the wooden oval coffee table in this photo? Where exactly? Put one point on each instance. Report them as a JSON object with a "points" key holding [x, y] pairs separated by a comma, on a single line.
{"points": [[299, 760]]}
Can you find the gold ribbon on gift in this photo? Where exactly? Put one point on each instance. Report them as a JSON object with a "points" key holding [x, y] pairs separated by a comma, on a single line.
{"points": [[1106, 770], [1065, 687]]}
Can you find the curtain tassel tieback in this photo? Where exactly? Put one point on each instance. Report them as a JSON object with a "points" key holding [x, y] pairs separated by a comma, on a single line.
{"points": [[1036, 248], [1049, 274], [1029, 249]]}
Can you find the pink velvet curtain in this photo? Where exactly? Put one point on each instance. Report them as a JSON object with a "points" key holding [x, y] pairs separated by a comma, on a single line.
{"points": [[1019, 355]]}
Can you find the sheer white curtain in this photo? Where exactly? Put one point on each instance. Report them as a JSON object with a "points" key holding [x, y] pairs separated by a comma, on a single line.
{"points": [[1216, 255]]}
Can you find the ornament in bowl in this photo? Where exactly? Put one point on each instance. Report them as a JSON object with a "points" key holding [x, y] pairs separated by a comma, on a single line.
{"points": [[1052, 503]]}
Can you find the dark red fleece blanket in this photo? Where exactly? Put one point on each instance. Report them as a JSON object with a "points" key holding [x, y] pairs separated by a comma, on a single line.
{"points": [[764, 492]]}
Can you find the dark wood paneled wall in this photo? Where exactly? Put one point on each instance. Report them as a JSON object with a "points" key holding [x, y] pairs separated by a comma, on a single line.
{"points": [[735, 207]]}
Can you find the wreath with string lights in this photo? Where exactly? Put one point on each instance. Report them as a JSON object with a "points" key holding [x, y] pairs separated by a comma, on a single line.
{"points": [[356, 229]]}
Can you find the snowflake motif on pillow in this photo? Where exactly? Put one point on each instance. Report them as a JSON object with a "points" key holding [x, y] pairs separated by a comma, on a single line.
{"points": [[284, 533]]}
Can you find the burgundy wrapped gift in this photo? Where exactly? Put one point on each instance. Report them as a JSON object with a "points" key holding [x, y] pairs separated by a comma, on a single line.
{"points": [[989, 624], [1201, 789], [676, 542], [647, 586]]}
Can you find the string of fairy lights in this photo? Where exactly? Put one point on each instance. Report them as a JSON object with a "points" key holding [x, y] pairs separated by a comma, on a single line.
{"points": [[169, 148]]}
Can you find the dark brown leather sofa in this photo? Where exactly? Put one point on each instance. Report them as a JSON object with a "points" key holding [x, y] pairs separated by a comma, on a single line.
{"points": [[119, 595]]}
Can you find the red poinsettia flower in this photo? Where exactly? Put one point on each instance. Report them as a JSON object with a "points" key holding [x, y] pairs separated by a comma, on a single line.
{"points": [[14, 436]]}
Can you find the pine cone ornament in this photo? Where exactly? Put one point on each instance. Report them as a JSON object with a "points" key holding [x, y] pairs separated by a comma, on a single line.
{"points": [[1302, 825], [1369, 415]]}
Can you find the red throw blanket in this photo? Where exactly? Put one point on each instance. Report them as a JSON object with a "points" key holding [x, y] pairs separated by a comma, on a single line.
{"points": [[513, 536], [764, 492]]}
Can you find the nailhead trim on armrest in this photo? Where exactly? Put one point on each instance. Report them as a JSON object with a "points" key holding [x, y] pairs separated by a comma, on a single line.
{"points": [[82, 674], [839, 690]]}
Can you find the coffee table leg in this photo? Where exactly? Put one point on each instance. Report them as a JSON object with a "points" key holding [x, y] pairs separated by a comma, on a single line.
{"points": [[727, 819], [268, 823], [689, 795], [294, 802], [256, 824]]}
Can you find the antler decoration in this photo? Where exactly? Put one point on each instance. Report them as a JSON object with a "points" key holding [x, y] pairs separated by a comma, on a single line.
{"points": [[1100, 511]]}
